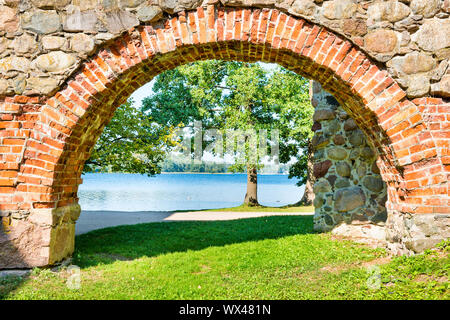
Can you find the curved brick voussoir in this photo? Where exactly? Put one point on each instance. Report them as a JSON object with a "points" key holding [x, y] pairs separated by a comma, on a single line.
{"points": [[45, 138]]}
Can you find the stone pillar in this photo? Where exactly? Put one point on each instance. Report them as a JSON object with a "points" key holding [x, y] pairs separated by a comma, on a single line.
{"points": [[348, 188], [39, 237]]}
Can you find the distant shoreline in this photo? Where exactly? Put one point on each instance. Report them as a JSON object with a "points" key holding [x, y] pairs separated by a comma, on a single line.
{"points": [[228, 173]]}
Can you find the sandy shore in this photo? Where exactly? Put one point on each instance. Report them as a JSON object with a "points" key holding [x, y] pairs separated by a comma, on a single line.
{"points": [[92, 220]]}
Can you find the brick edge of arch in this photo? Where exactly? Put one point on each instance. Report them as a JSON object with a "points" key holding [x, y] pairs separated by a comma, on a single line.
{"points": [[57, 133]]}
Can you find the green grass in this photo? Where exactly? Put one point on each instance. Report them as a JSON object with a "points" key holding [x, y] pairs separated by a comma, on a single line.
{"points": [[260, 258], [246, 208]]}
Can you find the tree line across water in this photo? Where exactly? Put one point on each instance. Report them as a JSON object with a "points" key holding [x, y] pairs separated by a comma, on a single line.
{"points": [[222, 96]]}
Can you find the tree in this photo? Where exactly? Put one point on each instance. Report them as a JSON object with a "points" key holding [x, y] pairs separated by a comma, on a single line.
{"points": [[291, 92], [237, 95], [132, 142]]}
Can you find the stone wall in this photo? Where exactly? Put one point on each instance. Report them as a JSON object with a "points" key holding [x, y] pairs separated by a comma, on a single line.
{"points": [[42, 42], [348, 188]]}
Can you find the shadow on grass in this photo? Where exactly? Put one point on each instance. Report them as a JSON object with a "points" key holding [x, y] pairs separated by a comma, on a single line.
{"points": [[152, 239], [9, 283]]}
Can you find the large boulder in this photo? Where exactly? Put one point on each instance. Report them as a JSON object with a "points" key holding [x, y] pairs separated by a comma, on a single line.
{"points": [[391, 11], [55, 61], [348, 199], [9, 21], [433, 35], [381, 41], [41, 22]]}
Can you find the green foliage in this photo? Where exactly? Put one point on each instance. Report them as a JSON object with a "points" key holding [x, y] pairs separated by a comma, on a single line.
{"points": [[236, 95], [132, 142]]}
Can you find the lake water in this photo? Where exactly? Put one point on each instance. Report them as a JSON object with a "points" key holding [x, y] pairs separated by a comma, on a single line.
{"points": [[167, 192]]}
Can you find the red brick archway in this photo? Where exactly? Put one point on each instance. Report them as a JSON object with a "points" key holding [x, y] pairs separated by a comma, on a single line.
{"points": [[47, 139]]}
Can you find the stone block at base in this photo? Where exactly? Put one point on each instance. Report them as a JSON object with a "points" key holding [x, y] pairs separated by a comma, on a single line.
{"points": [[409, 234], [37, 238]]}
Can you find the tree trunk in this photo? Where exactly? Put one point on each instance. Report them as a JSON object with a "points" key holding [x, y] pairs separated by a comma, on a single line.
{"points": [[308, 196], [251, 197]]}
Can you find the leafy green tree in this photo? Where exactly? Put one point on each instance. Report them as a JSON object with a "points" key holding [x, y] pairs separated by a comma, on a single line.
{"points": [[132, 142], [236, 95], [291, 93]]}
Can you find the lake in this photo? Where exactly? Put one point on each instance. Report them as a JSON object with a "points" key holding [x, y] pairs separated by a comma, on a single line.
{"points": [[168, 192]]}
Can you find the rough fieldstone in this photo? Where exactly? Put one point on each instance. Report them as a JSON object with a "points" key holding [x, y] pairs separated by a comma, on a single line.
{"points": [[81, 21], [52, 42], [341, 183], [349, 199], [411, 63], [339, 139], [374, 184], [446, 6], [82, 43], [318, 202], [354, 27], [433, 35], [337, 153], [354, 153], [367, 153], [118, 21], [442, 87], [9, 21], [4, 44], [426, 8], [331, 179], [375, 168], [343, 169], [316, 126], [14, 64], [321, 186], [319, 141], [50, 4], [55, 61], [324, 114], [418, 85], [339, 9], [12, 3], [361, 170], [41, 22], [303, 7], [149, 13], [130, 3], [350, 125], [174, 6], [24, 44], [84, 5], [437, 73], [328, 220], [332, 127], [391, 11], [357, 138], [320, 169], [4, 87], [381, 41], [42, 85]]}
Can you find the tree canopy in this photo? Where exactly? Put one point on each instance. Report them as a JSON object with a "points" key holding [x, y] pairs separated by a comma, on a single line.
{"points": [[131, 142]]}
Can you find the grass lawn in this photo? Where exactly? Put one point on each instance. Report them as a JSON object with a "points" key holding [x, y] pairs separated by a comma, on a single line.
{"points": [[261, 258]]}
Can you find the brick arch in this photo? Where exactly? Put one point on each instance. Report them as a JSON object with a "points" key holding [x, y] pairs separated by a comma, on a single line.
{"points": [[67, 124]]}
